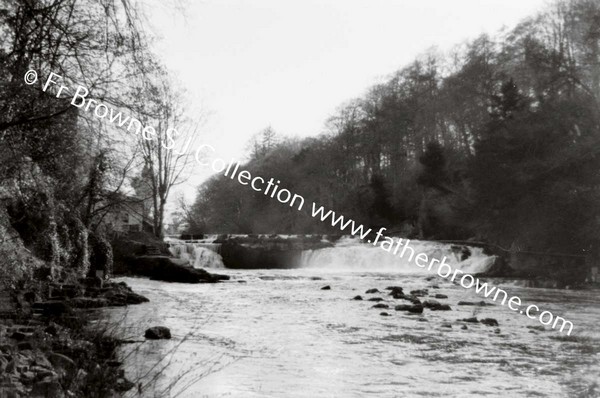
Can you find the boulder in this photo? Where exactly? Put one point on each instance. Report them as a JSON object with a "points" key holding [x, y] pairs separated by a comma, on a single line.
{"points": [[434, 305], [380, 305], [376, 299], [326, 287], [478, 303], [158, 333], [119, 294], [412, 299], [168, 269], [489, 321], [540, 328], [357, 298], [419, 292], [134, 298], [384, 314], [469, 320], [372, 291], [414, 308], [394, 290], [440, 296]]}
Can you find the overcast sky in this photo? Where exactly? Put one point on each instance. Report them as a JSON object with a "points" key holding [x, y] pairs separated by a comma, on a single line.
{"points": [[291, 63]]}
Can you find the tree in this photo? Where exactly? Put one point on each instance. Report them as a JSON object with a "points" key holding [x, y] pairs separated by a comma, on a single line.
{"points": [[168, 156], [262, 142], [57, 165]]}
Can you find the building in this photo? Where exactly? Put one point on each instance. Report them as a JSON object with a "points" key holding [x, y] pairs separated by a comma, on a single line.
{"points": [[128, 215]]}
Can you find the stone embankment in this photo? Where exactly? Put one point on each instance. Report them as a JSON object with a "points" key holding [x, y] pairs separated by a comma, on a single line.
{"points": [[49, 347]]}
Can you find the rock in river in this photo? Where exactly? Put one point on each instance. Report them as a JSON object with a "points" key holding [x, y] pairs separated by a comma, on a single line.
{"points": [[414, 308], [167, 269], [489, 321], [435, 305], [380, 305], [477, 303], [157, 333], [394, 290]]}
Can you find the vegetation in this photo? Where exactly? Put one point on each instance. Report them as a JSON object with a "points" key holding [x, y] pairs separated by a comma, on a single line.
{"points": [[497, 140], [62, 170]]}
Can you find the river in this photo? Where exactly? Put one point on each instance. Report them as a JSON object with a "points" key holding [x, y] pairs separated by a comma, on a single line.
{"points": [[275, 333]]}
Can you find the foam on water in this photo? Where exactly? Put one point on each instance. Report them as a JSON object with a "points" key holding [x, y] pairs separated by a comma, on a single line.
{"points": [[351, 255], [200, 254]]}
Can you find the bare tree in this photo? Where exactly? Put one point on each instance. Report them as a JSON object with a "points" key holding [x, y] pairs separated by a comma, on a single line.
{"points": [[168, 153]]}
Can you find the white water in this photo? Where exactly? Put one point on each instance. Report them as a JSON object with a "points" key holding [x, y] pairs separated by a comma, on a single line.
{"points": [[275, 333], [200, 254], [348, 254], [352, 255]]}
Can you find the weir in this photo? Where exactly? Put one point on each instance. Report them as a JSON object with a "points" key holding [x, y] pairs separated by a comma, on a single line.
{"points": [[346, 254], [352, 255], [202, 253]]}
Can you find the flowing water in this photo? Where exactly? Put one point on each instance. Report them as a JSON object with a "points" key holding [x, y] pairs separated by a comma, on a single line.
{"points": [[275, 333]]}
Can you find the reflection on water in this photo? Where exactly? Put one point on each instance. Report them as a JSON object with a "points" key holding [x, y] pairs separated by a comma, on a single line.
{"points": [[279, 335]]}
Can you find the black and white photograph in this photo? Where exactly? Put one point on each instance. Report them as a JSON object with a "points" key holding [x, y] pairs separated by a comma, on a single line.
{"points": [[299, 198]]}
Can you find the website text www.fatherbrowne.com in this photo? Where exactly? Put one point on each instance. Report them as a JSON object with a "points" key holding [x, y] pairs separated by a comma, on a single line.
{"points": [[399, 247], [284, 196]]}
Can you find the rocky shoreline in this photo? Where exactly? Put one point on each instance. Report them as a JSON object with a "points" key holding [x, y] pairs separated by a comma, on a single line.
{"points": [[49, 347]]}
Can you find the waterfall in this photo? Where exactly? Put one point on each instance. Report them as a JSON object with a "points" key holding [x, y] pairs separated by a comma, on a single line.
{"points": [[207, 258], [199, 254], [349, 254]]}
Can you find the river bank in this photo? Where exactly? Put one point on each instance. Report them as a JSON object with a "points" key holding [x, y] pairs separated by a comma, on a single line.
{"points": [[51, 345]]}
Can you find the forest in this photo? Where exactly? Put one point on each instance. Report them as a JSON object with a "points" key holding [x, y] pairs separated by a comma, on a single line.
{"points": [[496, 140]]}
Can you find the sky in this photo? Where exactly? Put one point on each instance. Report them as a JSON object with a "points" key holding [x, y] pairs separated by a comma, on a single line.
{"points": [[249, 64]]}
